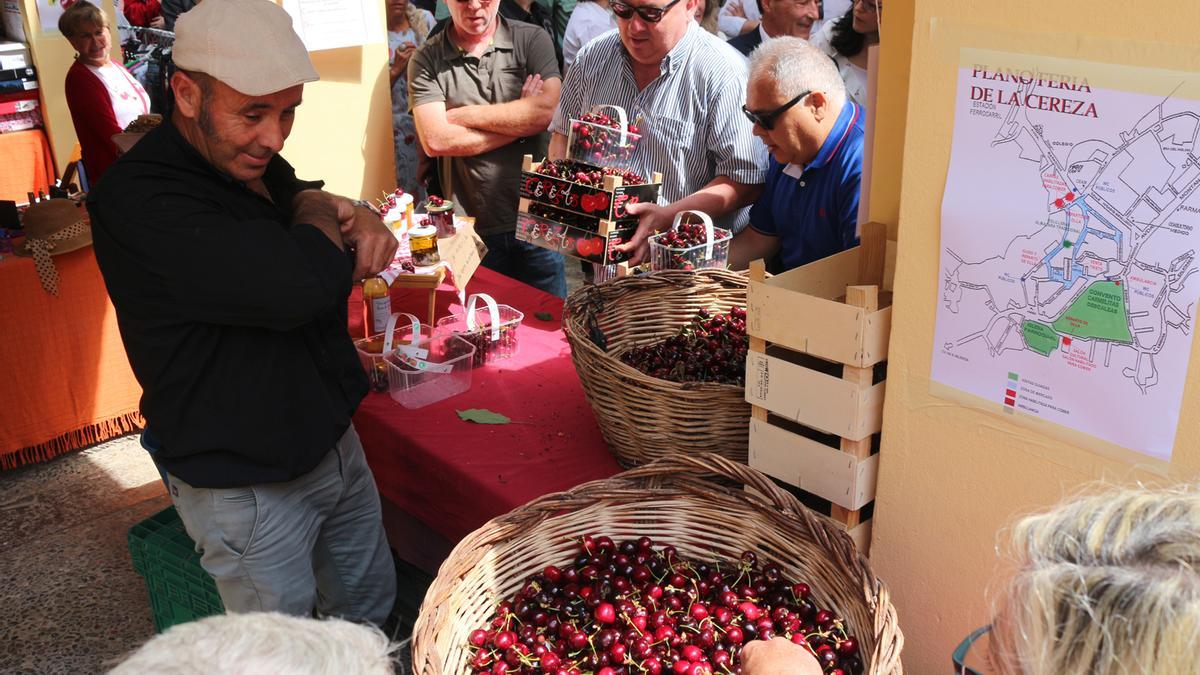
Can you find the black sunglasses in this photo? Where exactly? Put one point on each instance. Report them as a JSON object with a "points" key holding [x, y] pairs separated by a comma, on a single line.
{"points": [[959, 657], [648, 14], [767, 120]]}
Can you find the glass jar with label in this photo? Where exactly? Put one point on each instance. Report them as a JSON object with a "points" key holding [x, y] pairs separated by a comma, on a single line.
{"points": [[377, 306], [441, 216], [423, 242]]}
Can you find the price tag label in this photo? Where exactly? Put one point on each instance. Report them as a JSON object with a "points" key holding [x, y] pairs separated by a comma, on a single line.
{"points": [[758, 380], [413, 352], [409, 357]]}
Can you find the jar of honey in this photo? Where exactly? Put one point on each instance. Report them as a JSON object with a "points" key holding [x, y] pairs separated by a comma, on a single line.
{"points": [[423, 242]]}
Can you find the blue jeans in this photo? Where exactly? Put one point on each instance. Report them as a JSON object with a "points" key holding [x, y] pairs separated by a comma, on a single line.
{"points": [[541, 268], [151, 445]]}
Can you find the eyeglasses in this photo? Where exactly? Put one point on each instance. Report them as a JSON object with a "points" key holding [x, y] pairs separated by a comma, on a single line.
{"points": [[648, 14], [870, 5], [766, 120], [959, 657]]}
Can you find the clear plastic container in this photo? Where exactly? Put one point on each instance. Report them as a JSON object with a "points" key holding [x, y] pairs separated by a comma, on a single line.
{"points": [[713, 253], [601, 145], [492, 329], [373, 349], [433, 369]]}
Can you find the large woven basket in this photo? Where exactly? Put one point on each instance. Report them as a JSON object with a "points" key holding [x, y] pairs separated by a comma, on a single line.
{"points": [[672, 502], [644, 418]]}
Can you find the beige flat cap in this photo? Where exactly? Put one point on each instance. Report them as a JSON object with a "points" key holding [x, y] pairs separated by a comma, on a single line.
{"points": [[249, 45]]}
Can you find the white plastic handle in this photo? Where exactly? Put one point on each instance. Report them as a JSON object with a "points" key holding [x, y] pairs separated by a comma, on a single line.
{"points": [[493, 312], [390, 330], [417, 362], [622, 119], [708, 228]]}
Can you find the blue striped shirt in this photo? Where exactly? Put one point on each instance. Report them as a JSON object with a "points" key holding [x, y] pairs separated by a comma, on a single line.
{"points": [[690, 117]]}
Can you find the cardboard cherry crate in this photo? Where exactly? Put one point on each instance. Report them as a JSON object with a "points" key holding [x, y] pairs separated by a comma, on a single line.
{"points": [[572, 234], [815, 376], [606, 203]]}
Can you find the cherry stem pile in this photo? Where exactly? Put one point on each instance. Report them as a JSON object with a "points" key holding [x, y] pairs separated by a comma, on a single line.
{"points": [[632, 609], [586, 174], [596, 137], [708, 349]]}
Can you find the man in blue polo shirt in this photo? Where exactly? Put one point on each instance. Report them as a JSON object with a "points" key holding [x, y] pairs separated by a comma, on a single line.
{"points": [[809, 205]]}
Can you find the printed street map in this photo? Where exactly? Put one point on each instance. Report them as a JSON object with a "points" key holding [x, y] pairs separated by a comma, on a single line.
{"points": [[1070, 231]]}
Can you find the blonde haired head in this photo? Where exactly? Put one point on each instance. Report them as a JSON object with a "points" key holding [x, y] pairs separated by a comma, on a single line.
{"points": [[263, 643], [1109, 584]]}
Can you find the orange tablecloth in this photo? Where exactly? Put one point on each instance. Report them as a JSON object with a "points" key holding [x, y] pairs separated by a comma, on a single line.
{"points": [[28, 164], [67, 383]]}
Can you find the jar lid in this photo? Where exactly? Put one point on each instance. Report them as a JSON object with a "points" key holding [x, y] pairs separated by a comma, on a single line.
{"points": [[423, 231]]}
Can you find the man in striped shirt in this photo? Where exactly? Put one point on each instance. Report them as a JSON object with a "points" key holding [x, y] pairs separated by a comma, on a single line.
{"points": [[683, 88]]}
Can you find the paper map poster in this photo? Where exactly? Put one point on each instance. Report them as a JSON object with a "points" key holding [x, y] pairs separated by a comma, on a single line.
{"points": [[1069, 237]]}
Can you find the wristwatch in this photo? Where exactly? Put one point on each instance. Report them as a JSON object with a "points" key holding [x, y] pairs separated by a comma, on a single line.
{"points": [[366, 205]]}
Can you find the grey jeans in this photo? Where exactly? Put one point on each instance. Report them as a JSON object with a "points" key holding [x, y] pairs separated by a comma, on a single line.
{"points": [[316, 541]]}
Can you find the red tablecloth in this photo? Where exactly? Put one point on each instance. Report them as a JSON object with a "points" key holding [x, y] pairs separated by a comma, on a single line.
{"points": [[455, 475]]}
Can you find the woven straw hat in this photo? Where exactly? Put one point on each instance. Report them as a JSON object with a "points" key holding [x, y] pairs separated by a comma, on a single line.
{"points": [[51, 227], [53, 221]]}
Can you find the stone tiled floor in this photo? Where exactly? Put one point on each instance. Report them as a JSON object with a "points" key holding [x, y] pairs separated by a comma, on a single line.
{"points": [[70, 600]]}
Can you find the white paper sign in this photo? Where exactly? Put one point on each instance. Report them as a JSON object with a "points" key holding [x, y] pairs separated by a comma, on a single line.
{"points": [[332, 24], [49, 12], [1068, 283]]}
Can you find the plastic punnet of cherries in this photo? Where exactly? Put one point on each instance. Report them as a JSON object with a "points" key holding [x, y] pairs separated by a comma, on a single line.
{"points": [[684, 248], [633, 609], [710, 348], [586, 174], [597, 137]]}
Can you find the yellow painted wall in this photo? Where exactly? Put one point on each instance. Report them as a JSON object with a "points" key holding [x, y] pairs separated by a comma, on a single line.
{"points": [[343, 132], [952, 477]]}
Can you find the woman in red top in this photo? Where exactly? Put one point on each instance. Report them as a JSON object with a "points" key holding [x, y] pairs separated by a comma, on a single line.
{"points": [[103, 97]]}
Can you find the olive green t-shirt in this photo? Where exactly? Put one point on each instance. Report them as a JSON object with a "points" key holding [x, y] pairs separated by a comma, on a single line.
{"points": [[486, 185]]}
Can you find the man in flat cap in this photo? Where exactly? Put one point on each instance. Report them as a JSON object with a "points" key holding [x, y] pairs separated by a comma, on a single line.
{"points": [[230, 278]]}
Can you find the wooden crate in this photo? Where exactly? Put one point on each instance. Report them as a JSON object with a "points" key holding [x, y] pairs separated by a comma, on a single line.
{"points": [[815, 376], [860, 534]]}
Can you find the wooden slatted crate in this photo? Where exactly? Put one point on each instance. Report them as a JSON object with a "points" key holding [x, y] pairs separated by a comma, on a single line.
{"points": [[815, 376]]}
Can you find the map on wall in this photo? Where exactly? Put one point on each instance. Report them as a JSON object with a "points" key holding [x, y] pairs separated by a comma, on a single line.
{"points": [[1070, 231]]}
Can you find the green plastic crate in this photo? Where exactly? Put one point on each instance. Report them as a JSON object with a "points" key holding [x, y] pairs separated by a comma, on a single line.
{"points": [[165, 556]]}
